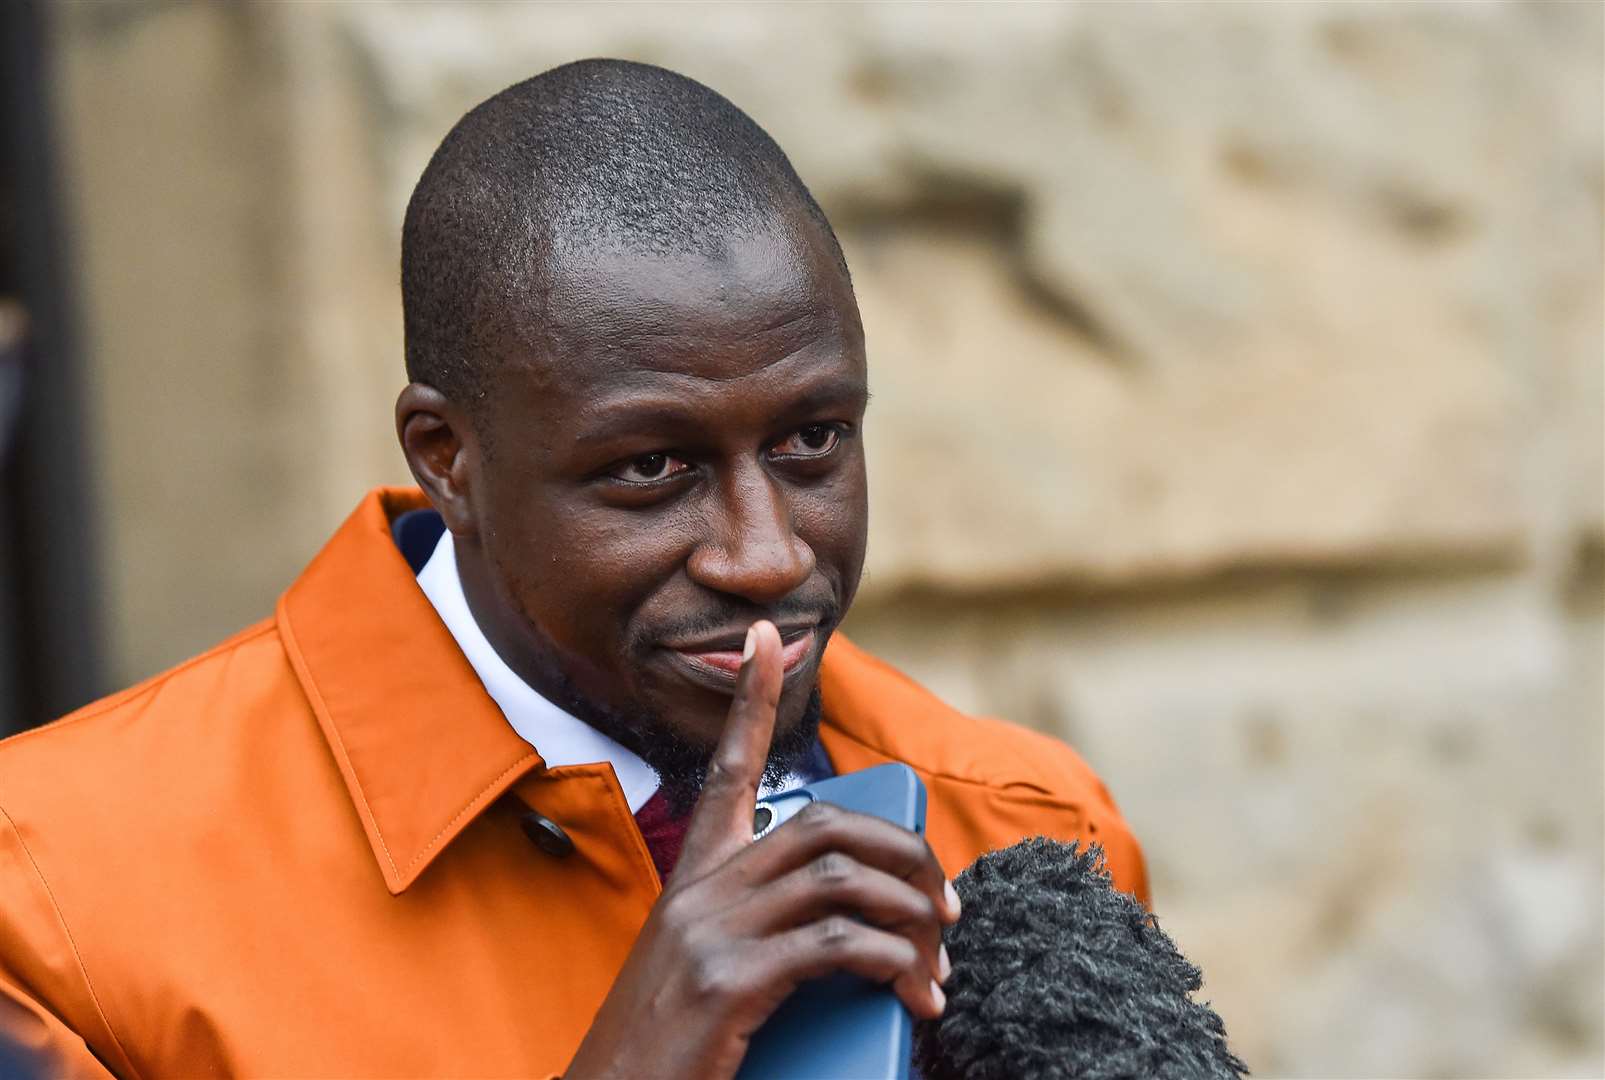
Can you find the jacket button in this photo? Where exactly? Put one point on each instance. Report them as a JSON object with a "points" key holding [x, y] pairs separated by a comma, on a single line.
{"points": [[546, 834]]}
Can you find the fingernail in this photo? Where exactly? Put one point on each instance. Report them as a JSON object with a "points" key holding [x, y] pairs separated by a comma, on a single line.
{"points": [[939, 997], [953, 906], [752, 644], [944, 966]]}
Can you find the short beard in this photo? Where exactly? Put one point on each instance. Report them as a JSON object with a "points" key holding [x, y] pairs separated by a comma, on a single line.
{"points": [[682, 764]]}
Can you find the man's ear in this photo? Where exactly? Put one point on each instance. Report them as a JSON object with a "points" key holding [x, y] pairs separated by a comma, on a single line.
{"points": [[439, 444]]}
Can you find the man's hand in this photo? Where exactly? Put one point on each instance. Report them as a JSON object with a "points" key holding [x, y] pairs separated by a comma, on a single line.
{"points": [[741, 924]]}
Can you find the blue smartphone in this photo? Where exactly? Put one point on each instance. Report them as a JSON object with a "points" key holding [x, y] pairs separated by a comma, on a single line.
{"points": [[840, 1026]]}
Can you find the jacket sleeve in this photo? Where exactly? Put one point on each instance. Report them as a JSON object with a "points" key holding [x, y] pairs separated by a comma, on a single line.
{"points": [[48, 1012], [1103, 821]]}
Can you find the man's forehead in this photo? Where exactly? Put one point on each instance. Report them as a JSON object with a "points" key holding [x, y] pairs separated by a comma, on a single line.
{"points": [[611, 312], [670, 368], [739, 284]]}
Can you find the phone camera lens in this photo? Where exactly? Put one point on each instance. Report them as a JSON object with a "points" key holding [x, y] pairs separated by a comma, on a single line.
{"points": [[761, 819]]}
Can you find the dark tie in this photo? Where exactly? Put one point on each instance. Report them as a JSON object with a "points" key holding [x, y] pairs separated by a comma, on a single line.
{"points": [[664, 833]]}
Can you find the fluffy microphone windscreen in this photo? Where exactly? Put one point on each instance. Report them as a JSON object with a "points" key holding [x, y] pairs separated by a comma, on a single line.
{"points": [[1057, 975]]}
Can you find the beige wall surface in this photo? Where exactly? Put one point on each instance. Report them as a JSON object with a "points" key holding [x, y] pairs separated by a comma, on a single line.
{"points": [[1238, 406]]}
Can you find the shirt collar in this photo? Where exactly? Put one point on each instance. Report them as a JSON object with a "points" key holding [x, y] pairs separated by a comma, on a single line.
{"points": [[561, 739]]}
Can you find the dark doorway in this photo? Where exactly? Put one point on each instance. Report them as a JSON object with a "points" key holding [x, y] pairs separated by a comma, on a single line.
{"points": [[50, 635]]}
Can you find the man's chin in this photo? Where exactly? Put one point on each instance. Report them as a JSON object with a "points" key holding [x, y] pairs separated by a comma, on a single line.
{"points": [[680, 756]]}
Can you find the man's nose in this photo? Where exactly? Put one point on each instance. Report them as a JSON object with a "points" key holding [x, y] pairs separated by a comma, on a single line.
{"points": [[751, 548]]}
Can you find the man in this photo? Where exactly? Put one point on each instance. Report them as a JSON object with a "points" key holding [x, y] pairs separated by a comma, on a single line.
{"points": [[416, 823]]}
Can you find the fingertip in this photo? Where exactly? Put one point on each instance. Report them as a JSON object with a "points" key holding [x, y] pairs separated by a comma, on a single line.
{"points": [[765, 629], [951, 896], [763, 640]]}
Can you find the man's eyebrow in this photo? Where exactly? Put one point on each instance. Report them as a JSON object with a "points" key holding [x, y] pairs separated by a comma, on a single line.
{"points": [[622, 418], [849, 394], [617, 420]]}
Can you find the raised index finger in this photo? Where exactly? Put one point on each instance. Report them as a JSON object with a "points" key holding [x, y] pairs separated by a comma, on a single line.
{"points": [[722, 821]]}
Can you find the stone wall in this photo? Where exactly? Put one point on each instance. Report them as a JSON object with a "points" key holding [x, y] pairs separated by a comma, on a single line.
{"points": [[1238, 409]]}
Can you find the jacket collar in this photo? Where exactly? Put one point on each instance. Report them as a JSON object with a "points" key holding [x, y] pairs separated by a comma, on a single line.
{"points": [[422, 748]]}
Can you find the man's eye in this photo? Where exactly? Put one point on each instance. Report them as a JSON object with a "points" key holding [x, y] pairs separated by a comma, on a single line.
{"points": [[650, 467], [815, 440]]}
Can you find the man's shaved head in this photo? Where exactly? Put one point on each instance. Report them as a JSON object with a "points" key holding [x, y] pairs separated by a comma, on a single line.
{"points": [[637, 389], [597, 154]]}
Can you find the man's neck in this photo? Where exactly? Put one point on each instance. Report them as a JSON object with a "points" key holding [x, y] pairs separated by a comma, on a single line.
{"points": [[558, 735], [508, 633]]}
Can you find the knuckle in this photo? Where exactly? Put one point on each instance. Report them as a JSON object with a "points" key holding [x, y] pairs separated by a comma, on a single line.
{"points": [[673, 911], [667, 915], [913, 962], [818, 815], [926, 864], [711, 979], [719, 774], [831, 868], [835, 932]]}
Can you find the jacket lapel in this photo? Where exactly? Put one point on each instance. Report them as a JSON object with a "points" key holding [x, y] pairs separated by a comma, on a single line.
{"points": [[422, 748]]}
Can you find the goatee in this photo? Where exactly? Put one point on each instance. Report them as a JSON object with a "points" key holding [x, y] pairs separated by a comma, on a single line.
{"points": [[681, 764]]}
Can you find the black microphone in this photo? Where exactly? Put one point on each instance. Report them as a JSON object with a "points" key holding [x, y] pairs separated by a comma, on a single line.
{"points": [[1056, 975]]}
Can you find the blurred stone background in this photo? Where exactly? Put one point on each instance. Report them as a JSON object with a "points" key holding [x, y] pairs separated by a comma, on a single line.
{"points": [[1238, 408]]}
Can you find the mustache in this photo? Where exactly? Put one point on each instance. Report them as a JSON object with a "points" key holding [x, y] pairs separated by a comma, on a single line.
{"points": [[824, 610]]}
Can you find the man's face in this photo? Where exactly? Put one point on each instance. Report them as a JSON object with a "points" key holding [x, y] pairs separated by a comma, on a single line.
{"points": [[681, 456]]}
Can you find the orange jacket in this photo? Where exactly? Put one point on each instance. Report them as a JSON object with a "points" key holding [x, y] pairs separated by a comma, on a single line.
{"points": [[299, 854]]}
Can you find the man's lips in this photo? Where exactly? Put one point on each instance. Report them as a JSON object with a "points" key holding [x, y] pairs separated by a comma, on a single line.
{"points": [[716, 663]]}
